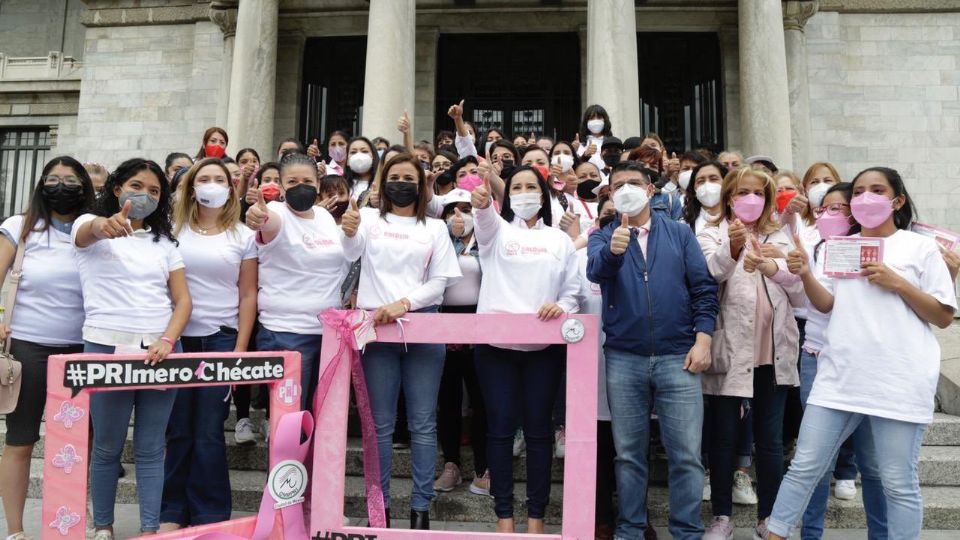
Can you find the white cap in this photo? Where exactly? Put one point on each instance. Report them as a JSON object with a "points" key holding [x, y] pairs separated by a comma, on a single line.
{"points": [[456, 195]]}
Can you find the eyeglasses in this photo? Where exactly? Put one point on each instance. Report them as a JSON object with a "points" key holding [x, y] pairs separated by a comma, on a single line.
{"points": [[832, 209], [69, 181]]}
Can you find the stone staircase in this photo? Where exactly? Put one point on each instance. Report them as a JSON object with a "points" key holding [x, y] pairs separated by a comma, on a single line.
{"points": [[939, 477]]}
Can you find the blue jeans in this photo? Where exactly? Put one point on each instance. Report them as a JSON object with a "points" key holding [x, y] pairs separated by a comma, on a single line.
{"points": [[387, 368], [110, 412], [635, 385], [846, 469], [896, 447], [196, 486], [308, 345], [519, 385]]}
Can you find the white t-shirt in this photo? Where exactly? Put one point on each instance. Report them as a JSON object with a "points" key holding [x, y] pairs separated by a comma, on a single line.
{"points": [[466, 291], [880, 358], [401, 258], [359, 186], [301, 271], [49, 305], [124, 281], [815, 332], [523, 269], [591, 302], [213, 276]]}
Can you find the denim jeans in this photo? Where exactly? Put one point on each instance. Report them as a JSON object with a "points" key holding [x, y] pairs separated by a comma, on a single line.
{"points": [[769, 401], [519, 384], [196, 486], [896, 446], [308, 345], [110, 413], [859, 443], [387, 368], [635, 385]]}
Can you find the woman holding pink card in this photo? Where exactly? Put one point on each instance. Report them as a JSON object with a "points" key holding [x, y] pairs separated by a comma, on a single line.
{"points": [[880, 362]]}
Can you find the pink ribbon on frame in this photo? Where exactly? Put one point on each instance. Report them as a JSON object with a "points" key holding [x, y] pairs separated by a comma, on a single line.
{"points": [[344, 322]]}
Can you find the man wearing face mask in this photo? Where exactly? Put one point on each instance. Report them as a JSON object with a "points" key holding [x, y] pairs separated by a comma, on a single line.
{"points": [[610, 153], [657, 344]]}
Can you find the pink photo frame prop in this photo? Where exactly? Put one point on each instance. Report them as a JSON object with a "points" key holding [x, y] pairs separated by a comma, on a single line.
{"points": [[330, 438], [67, 439]]}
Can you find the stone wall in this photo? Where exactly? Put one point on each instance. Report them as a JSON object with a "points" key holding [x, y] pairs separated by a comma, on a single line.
{"points": [[36, 27], [146, 90], [883, 91]]}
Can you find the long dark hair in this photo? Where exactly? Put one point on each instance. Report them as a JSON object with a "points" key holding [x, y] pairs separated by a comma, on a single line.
{"points": [[482, 141], [903, 217], [348, 173], [847, 189], [691, 204], [245, 151], [594, 110], [545, 209], [202, 153], [108, 204], [38, 215], [421, 204]]}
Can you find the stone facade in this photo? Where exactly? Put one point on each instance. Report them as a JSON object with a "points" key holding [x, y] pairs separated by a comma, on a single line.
{"points": [[883, 91]]}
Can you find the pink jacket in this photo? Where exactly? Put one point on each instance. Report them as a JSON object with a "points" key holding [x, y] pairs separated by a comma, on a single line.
{"points": [[733, 340]]}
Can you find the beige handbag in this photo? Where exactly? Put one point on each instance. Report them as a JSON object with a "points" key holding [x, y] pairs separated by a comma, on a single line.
{"points": [[10, 367]]}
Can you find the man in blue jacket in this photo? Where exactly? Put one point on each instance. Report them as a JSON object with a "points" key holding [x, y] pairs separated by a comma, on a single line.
{"points": [[659, 308]]}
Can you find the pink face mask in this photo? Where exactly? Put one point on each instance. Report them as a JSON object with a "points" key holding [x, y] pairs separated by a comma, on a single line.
{"points": [[830, 225], [870, 209], [469, 182], [748, 207]]}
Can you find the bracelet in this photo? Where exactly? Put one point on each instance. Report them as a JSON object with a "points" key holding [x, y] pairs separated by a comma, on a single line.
{"points": [[168, 341]]}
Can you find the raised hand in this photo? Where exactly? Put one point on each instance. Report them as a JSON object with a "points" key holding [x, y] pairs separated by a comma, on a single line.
{"points": [[258, 214], [621, 236], [321, 169], [798, 262], [115, 226], [488, 169], [456, 111], [568, 219], [403, 124], [673, 165], [350, 221], [314, 149], [456, 224], [591, 150], [576, 142], [952, 260], [252, 192], [329, 202], [754, 257], [480, 198], [796, 204], [738, 237]]}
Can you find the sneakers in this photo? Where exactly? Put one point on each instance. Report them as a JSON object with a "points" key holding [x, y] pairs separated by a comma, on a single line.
{"points": [[761, 532], [103, 534], [449, 478], [244, 432], [481, 484], [845, 490], [18, 536], [265, 429], [743, 492], [519, 443], [706, 487], [720, 529], [560, 446]]}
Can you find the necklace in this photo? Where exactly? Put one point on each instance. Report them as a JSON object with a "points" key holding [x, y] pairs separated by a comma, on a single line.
{"points": [[206, 230]]}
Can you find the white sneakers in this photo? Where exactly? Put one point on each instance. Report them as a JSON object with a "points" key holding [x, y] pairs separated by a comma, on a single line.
{"points": [[449, 478], [519, 443], [845, 490], [743, 492], [560, 446], [706, 487], [481, 484], [720, 529], [244, 432]]}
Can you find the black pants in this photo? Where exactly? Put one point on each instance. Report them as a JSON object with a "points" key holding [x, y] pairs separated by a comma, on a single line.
{"points": [[769, 401], [459, 370], [606, 480], [514, 381]]}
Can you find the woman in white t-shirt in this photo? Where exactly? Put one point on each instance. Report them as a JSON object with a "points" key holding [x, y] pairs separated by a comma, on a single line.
{"points": [[135, 297], [407, 261], [881, 360], [301, 267], [222, 276], [47, 315], [362, 163], [701, 204], [528, 267]]}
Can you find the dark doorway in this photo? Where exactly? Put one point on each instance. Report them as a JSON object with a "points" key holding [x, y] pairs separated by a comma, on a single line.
{"points": [[533, 87], [332, 93], [681, 88]]}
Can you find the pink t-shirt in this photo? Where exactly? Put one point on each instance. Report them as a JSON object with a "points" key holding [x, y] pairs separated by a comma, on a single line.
{"points": [[763, 327]]}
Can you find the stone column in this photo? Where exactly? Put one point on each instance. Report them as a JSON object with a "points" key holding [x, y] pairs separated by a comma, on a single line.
{"points": [[389, 86], [764, 100], [795, 16], [223, 13], [612, 78], [253, 77]]}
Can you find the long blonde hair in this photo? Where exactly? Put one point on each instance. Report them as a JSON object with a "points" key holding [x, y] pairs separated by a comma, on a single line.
{"points": [[765, 223], [185, 211]]}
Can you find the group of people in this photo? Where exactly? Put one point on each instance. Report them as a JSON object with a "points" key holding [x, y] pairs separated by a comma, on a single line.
{"points": [[707, 272]]}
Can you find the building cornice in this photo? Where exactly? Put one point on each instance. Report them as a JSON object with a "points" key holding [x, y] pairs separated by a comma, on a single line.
{"points": [[890, 6]]}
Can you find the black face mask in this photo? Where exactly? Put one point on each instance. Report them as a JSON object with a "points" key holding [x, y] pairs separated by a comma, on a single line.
{"points": [[506, 167], [585, 189], [301, 197], [65, 200], [339, 208], [401, 194], [445, 178], [611, 159], [606, 220]]}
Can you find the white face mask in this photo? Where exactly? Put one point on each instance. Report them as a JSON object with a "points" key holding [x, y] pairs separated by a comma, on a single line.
{"points": [[595, 126], [525, 205], [816, 194], [684, 179], [709, 194], [630, 200], [211, 195], [467, 224], [565, 162], [360, 162], [669, 187]]}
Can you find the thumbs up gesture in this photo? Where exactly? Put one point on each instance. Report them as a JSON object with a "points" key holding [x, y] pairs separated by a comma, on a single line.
{"points": [[258, 214], [480, 198], [456, 111], [673, 165], [576, 142], [350, 222], [115, 226], [621, 236], [403, 124], [755, 260], [456, 224], [738, 238], [798, 262], [314, 149], [253, 192]]}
